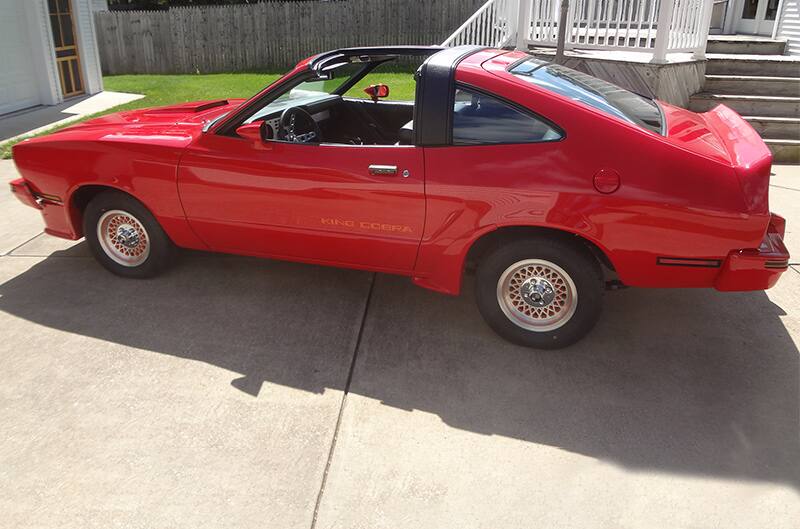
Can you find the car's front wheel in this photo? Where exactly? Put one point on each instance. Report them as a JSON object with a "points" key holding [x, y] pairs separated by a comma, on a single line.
{"points": [[542, 293], [125, 237]]}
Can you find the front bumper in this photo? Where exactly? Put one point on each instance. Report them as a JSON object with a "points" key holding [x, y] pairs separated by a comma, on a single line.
{"points": [[22, 191], [56, 217], [756, 269]]}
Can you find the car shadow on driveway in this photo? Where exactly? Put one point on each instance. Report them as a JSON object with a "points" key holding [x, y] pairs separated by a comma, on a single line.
{"points": [[687, 381]]}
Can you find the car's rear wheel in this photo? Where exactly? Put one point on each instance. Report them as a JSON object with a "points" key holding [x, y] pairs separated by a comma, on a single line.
{"points": [[125, 237], [543, 293]]}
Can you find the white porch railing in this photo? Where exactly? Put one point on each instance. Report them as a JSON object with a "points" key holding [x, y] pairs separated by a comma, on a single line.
{"points": [[631, 25], [493, 24]]}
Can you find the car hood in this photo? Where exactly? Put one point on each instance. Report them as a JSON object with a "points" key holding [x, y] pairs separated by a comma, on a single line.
{"points": [[175, 125], [184, 113]]}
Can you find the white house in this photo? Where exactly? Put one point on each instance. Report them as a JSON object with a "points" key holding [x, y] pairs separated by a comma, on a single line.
{"points": [[769, 18], [48, 52], [788, 25]]}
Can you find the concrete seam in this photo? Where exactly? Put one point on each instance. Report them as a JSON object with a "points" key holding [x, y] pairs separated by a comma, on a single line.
{"points": [[8, 253], [784, 187], [341, 406]]}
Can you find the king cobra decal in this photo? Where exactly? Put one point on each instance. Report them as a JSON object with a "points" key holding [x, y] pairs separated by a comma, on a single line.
{"points": [[367, 225]]}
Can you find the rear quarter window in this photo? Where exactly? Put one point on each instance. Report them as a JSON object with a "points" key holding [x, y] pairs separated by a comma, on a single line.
{"points": [[480, 119], [602, 95]]}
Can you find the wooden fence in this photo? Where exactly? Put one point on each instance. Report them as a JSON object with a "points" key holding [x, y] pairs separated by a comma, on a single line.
{"points": [[265, 36]]}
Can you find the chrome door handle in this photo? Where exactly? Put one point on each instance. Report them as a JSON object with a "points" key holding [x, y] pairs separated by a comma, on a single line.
{"points": [[383, 170]]}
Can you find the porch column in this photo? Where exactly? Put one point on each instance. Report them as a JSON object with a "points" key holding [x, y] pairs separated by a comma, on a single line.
{"points": [[665, 10], [704, 28], [523, 24]]}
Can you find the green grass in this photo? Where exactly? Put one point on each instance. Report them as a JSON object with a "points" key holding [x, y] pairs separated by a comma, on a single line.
{"points": [[160, 90], [401, 85]]}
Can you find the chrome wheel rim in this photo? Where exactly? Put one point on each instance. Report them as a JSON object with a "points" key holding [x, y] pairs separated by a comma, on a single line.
{"points": [[123, 238], [537, 295]]}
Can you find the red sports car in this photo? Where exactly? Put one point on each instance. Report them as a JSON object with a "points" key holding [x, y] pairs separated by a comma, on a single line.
{"points": [[552, 184]]}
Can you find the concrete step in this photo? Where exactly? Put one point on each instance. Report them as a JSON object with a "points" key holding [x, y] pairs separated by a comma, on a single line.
{"points": [[753, 85], [748, 105], [745, 45], [766, 65], [784, 151], [776, 128]]}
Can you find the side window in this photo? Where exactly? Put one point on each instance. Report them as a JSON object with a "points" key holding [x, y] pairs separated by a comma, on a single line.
{"points": [[479, 119], [398, 75]]}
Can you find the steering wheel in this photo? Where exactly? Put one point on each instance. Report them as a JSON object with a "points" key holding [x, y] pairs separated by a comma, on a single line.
{"points": [[297, 126]]}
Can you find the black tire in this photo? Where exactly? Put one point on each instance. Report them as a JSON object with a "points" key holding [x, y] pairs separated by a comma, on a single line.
{"points": [[158, 250], [580, 267]]}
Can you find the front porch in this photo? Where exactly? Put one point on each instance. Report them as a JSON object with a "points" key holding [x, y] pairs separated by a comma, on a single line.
{"points": [[660, 48]]}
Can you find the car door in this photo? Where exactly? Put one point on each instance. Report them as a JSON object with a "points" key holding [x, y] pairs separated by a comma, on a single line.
{"points": [[353, 205]]}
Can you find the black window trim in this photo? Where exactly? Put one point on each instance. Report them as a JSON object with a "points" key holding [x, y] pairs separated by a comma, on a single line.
{"points": [[513, 104], [232, 121], [433, 110], [434, 91]]}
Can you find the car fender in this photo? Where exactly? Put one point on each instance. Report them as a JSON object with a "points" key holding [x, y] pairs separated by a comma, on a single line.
{"points": [[64, 167], [440, 266]]}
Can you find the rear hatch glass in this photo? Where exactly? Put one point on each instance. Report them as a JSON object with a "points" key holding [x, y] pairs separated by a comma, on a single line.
{"points": [[591, 91]]}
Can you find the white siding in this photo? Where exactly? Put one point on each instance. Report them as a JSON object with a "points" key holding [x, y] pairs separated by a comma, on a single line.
{"points": [[29, 76], [99, 5], [41, 53], [18, 82], [789, 26], [87, 45]]}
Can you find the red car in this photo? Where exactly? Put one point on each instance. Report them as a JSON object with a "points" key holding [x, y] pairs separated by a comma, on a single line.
{"points": [[551, 183]]}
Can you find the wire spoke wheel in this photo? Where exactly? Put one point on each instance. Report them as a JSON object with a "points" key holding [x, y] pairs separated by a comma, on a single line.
{"points": [[537, 295], [123, 238]]}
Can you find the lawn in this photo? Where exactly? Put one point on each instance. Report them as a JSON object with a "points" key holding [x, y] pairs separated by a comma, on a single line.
{"points": [[160, 90]]}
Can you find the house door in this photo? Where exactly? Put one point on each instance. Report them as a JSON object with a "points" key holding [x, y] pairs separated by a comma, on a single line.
{"points": [[64, 41], [756, 17]]}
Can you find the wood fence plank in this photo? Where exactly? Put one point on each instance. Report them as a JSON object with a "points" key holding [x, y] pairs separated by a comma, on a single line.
{"points": [[270, 35]]}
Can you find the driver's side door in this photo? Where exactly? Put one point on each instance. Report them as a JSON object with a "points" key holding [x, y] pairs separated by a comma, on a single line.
{"points": [[354, 205]]}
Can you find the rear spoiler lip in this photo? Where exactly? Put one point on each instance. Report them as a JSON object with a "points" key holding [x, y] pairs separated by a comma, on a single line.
{"points": [[749, 156], [745, 147]]}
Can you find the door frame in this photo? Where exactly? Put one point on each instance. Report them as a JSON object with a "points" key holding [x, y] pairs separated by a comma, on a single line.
{"points": [[756, 26], [69, 60]]}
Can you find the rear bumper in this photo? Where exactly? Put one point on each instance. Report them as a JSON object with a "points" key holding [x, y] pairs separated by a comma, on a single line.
{"points": [[756, 269]]}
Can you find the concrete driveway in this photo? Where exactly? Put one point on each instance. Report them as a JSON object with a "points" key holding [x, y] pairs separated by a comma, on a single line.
{"points": [[236, 392]]}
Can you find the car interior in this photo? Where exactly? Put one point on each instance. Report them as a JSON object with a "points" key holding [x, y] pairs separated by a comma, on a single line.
{"points": [[349, 120], [366, 122], [344, 107]]}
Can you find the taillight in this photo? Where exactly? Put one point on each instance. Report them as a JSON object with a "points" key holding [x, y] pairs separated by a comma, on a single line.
{"points": [[777, 224]]}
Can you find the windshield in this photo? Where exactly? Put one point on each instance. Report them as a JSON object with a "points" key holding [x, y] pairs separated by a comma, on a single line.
{"points": [[310, 90], [592, 91], [317, 87]]}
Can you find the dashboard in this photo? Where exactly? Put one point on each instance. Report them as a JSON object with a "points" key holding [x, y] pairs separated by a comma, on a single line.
{"points": [[317, 105]]}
